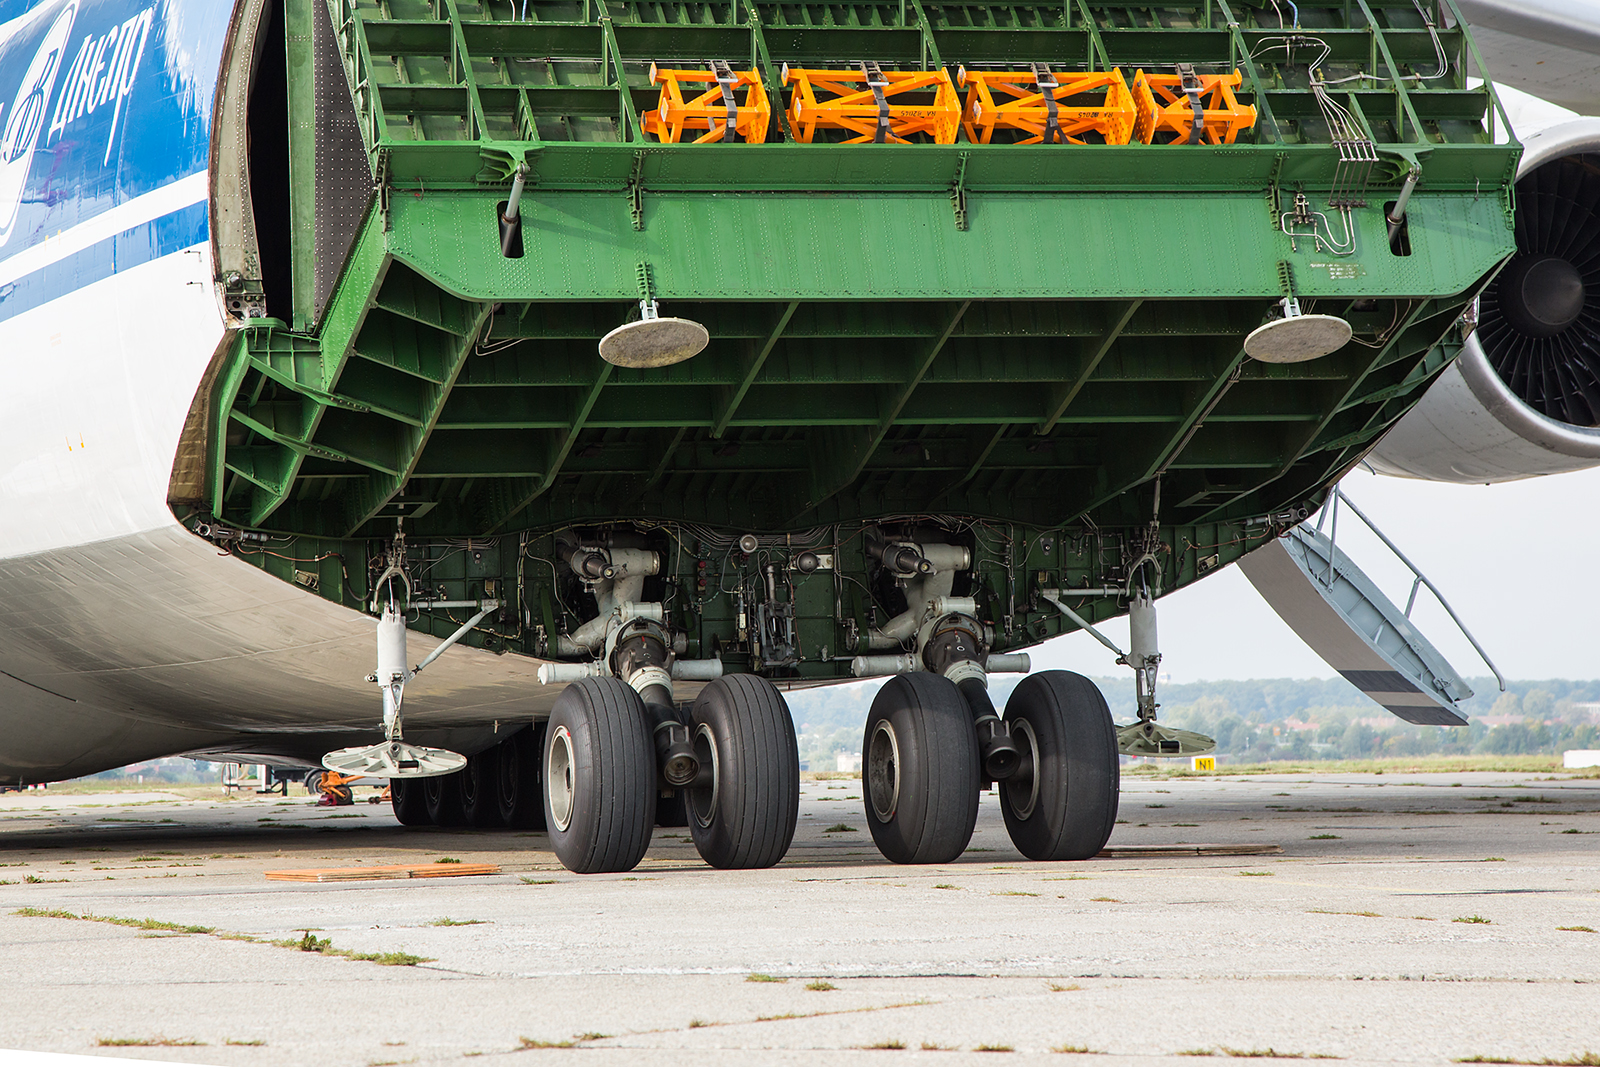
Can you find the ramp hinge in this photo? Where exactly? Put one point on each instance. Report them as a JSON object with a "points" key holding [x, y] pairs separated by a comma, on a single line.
{"points": [[958, 192], [636, 192]]}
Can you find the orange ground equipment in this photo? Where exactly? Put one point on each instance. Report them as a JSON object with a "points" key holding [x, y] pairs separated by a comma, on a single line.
{"points": [[335, 790], [713, 108], [1030, 102], [862, 103], [1189, 108]]}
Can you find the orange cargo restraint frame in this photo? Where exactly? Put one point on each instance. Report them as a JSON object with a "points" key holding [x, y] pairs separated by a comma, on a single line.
{"points": [[1194, 108], [711, 109], [1034, 106], [861, 102]]}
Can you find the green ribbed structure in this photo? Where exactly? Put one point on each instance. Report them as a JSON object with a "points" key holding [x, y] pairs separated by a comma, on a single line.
{"points": [[1013, 343]]}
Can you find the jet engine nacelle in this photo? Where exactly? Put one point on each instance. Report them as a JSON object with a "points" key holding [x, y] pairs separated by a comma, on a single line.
{"points": [[1523, 399]]}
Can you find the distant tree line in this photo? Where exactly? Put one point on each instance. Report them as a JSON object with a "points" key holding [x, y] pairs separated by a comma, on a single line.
{"points": [[1249, 718]]}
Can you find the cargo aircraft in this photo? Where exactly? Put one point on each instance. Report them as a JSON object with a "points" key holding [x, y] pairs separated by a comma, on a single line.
{"points": [[515, 398]]}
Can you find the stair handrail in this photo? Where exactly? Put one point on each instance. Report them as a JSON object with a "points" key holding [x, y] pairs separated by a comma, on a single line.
{"points": [[1419, 579]]}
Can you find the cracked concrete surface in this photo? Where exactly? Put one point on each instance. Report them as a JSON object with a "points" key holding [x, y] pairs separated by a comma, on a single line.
{"points": [[1346, 945]]}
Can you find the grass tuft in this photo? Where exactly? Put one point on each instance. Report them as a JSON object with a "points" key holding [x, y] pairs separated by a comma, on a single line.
{"points": [[934, 1046], [839, 828], [1255, 874], [539, 881], [245, 1044], [148, 1042], [114, 920], [1074, 1050], [1195, 1052], [819, 986], [763, 978], [310, 943], [1583, 1059], [1471, 919], [1057, 988], [447, 859], [1273, 1054], [592, 1035], [993, 1048], [946, 885], [695, 1024], [1577, 929], [447, 921], [1014, 893], [533, 1042], [385, 959], [1323, 837], [889, 1044]]}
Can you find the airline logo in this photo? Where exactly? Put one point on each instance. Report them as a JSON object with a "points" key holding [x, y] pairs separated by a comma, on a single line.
{"points": [[24, 118], [103, 75], [69, 83]]}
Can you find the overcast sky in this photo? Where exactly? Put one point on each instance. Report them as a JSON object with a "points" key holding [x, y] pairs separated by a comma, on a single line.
{"points": [[1518, 561]]}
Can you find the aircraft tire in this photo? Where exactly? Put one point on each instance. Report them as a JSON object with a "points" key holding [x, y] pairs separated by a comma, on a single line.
{"points": [[1066, 808], [480, 803], [443, 793], [410, 804], [745, 817], [599, 771], [520, 799], [920, 770]]}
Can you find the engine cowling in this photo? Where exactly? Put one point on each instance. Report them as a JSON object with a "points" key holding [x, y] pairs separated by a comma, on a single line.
{"points": [[1523, 399]]}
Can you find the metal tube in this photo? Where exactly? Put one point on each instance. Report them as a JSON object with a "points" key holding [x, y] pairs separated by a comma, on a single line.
{"points": [[1339, 493], [1050, 595], [1398, 215], [555, 673], [513, 216], [1008, 663], [878, 666], [466, 628], [696, 670]]}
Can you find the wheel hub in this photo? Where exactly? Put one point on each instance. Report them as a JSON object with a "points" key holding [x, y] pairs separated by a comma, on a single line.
{"points": [[883, 771], [703, 799], [558, 778], [1022, 788]]}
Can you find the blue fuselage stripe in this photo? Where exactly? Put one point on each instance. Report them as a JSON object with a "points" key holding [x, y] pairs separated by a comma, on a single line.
{"points": [[171, 233]]}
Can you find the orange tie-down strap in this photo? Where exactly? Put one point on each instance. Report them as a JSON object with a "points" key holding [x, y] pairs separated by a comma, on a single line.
{"points": [[847, 100], [364, 874], [1166, 113], [1025, 104], [705, 113]]}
